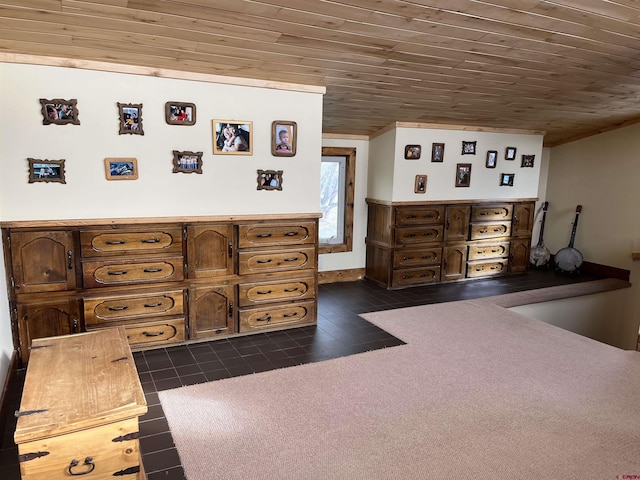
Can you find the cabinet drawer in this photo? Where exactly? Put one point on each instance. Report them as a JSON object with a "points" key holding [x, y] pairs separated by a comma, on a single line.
{"points": [[416, 235], [486, 268], [489, 213], [481, 231], [108, 455], [277, 316], [415, 276], [488, 250], [155, 333], [420, 215], [276, 260], [97, 243], [114, 309], [259, 293], [276, 234], [108, 273], [413, 258]]}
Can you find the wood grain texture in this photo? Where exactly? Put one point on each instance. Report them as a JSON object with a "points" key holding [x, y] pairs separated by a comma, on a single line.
{"points": [[567, 67]]}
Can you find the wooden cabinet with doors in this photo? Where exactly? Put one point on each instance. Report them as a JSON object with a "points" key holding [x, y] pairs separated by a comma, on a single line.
{"points": [[165, 281], [411, 243]]}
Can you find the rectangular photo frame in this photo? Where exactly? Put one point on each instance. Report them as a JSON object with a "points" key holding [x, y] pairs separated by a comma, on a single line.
{"points": [[270, 179], [463, 174], [412, 152], [437, 152], [59, 111], [469, 148], [180, 113], [283, 138], [510, 153], [121, 168], [527, 161], [130, 118], [506, 179], [492, 159], [187, 162], [420, 185], [232, 137], [46, 171]]}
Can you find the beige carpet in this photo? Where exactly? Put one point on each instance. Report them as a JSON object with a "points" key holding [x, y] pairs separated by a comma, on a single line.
{"points": [[478, 392]]}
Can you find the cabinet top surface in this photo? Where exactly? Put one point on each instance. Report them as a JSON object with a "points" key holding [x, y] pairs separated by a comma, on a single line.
{"points": [[152, 220], [76, 382]]}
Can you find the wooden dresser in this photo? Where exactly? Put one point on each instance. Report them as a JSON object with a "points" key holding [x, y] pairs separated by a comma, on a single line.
{"points": [[418, 243], [166, 281], [79, 409]]}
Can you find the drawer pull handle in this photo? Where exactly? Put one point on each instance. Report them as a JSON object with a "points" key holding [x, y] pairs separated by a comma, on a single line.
{"points": [[290, 290], [484, 230], [152, 240], [152, 305], [407, 258], [292, 259], [289, 315], [70, 260], [264, 261], [291, 234], [115, 242], [264, 319], [410, 216], [484, 213], [152, 270], [263, 235], [410, 235], [118, 309], [119, 272], [87, 461], [265, 293], [147, 334]]}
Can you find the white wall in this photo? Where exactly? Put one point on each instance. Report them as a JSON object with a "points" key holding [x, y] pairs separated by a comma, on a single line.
{"points": [[381, 166], [602, 174], [357, 257], [226, 186]]}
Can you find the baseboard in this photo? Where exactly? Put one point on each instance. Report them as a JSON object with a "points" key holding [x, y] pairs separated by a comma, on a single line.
{"points": [[605, 271], [334, 276], [5, 399]]}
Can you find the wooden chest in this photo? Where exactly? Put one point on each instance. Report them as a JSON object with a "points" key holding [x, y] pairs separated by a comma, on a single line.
{"points": [[80, 407]]}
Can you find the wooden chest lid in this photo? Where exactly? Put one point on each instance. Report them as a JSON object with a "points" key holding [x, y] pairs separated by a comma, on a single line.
{"points": [[79, 381]]}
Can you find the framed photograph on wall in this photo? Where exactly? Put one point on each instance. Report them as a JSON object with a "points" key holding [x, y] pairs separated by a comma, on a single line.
{"points": [[412, 152], [232, 137], [527, 161], [463, 174], [121, 168], [420, 185], [130, 118], [46, 171], [437, 152], [283, 138], [469, 148], [510, 153], [492, 158], [187, 162], [178, 113], [59, 111], [270, 179], [506, 179]]}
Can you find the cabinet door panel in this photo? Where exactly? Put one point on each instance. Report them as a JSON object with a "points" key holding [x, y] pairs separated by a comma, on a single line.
{"points": [[46, 319], [43, 261], [211, 311], [523, 215], [209, 250], [454, 263], [457, 223], [519, 257]]}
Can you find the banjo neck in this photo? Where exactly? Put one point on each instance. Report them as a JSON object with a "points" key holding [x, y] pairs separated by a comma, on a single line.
{"points": [[544, 216], [575, 226]]}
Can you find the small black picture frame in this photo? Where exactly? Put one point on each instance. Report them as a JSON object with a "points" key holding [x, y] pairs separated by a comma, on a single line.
{"points": [[283, 138], [420, 185], [130, 118], [187, 162], [506, 179], [527, 161], [59, 111], [463, 174], [269, 180], [510, 153], [412, 152], [46, 171], [437, 152], [469, 148], [492, 158], [180, 113]]}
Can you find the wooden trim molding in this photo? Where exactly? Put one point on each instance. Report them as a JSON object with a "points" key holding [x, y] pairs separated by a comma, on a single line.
{"points": [[335, 276], [466, 128]]}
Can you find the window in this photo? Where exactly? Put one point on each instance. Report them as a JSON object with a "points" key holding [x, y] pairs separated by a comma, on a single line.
{"points": [[337, 179]]}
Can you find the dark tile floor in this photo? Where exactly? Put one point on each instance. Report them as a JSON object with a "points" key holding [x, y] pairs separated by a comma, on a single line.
{"points": [[340, 332]]}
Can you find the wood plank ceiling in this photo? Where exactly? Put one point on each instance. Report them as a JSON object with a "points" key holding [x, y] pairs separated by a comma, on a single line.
{"points": [[567, 67]]}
